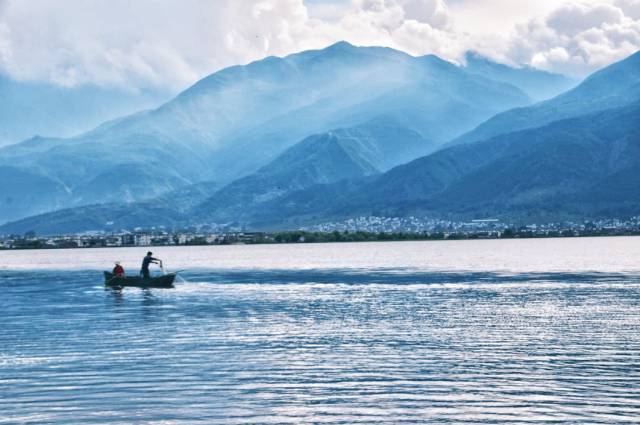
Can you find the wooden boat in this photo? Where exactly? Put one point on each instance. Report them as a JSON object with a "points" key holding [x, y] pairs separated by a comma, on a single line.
{"points": [[164, 281]]}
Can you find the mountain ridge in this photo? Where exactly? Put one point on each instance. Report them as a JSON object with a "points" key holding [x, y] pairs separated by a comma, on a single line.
{"points": [[235, 121], [29, 109], [541, 173], [615, 85], [571, 168]]}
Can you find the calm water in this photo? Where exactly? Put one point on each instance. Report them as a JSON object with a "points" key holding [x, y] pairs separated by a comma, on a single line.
{"points": [[537, 331]]}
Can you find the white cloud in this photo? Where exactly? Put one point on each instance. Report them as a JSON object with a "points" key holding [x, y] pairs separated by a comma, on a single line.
{"points": [[165, 43], [433, 12], [144, 42], [631, 8], [577, 38], [572, 19]]}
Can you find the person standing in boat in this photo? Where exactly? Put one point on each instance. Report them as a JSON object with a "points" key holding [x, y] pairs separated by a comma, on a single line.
{"points": [[148, 259], [118, 270]]}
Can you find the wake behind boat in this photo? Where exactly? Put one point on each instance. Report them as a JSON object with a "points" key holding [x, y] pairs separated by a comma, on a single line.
{"points": [[164, 281]]}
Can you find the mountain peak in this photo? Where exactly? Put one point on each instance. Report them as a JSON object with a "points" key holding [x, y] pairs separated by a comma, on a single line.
{"points": [[474, 60], [615, 86], [536, 83], [437, 61], [340, 45], [618, 79], [631, 62], [346, 49]]}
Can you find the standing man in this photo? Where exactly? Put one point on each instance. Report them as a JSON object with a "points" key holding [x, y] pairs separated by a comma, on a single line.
{"points": [[148, 259]]}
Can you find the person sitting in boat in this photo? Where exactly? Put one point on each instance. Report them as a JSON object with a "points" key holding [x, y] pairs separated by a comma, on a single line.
{"points": [[148, 259], [118, 270]]}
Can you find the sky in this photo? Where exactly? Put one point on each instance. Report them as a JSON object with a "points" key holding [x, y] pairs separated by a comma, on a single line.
{"points": [[170, 44]]}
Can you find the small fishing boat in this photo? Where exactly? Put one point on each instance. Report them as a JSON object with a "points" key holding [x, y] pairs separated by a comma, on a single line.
{"points": [[164, 281]]}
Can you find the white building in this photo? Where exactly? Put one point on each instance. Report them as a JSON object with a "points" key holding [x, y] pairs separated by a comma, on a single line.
{"points": [[143, 240]]}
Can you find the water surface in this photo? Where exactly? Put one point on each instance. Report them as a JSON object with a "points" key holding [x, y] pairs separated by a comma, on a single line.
{"points": [[523, 331]]}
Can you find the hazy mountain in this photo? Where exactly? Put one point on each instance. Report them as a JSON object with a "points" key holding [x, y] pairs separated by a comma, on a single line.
{"points": [[25, 193], [29, 109], [249, 115], [614, 86], [580, 167], [341, 154], [325, 158], [583, 167], [237, 120], [537, 84], [169, 210]]}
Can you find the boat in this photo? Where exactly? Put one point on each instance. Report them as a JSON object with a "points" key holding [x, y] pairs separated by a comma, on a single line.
{"points": [[164, 281]]}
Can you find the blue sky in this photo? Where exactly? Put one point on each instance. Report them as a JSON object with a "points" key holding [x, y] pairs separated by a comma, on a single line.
{"points": [[171, 44]]}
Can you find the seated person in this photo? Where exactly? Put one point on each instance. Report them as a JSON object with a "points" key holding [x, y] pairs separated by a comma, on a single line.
{"points": [[118, 270]]}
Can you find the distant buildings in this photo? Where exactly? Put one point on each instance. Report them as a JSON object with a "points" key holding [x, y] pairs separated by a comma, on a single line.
{"points": [[142, 239], [487, 227], [385, 227], [376, 224]]}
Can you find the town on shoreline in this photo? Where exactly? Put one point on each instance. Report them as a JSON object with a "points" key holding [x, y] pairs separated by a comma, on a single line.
{"points": [[363, 229]]}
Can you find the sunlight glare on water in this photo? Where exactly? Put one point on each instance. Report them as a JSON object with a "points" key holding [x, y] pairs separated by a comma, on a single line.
{"points": [[495, 332]]}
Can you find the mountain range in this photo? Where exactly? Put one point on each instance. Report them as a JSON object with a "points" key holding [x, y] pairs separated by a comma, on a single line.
{"points": [[234, 122], [614, 86], [575, 155], [538, 85], [584, 167], [29, 109], [579, 167]]}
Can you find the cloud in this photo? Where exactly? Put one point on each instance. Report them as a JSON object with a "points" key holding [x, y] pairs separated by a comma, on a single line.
{"points": [[577, 38], [415, 26], [145, 42], [631, 8], [169, 44], [572, 19], [433, 12], [150, 43]]}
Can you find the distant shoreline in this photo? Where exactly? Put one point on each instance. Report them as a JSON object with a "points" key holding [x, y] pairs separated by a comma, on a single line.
{"points": [[302, 237]]}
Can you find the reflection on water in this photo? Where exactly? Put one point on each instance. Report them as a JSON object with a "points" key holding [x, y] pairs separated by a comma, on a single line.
{"points": [[323, 345]]}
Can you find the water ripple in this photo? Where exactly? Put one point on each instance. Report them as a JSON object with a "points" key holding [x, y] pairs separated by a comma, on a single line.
{"points": [[322, 346]]}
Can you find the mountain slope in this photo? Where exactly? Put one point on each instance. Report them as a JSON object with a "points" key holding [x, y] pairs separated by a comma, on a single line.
{"points": [[537, 84], [28, 109], [235, 121], [580, 167], [583, 168], [338, 155], [25, 193], [614, 86], [325, 158], [166, 210]]}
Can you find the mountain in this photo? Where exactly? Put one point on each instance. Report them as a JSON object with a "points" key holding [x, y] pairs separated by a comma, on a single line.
{"points": [[24, 193], [614, 86], [337, 155], [537, 84], [581, 167], [166, 210], [29, 109], [234, 122], [352, 153]]}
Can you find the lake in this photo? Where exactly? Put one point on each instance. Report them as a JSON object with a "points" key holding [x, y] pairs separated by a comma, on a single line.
{"points": [[484, 332]]}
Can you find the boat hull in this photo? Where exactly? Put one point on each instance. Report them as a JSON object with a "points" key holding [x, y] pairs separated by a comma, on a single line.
{"points": [[164, 281]]}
